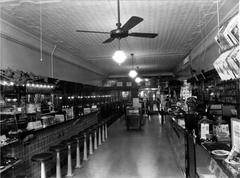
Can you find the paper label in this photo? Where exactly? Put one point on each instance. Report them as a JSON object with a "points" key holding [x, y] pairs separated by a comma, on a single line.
{"points": [[204, 130]]}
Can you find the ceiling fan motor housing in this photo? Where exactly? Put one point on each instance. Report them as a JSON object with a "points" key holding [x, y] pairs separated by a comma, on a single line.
{"points": [[118, 33]]}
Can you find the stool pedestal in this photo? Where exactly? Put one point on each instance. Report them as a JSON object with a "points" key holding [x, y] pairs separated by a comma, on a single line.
{"points": [[90, 144], [69, 170], [106, 131], [99, 136], [57, 149], [78, 161], [78, 156], [103, 134], [69, 159], [43, 170], [95, 139], [85, 158], [58, 166]]}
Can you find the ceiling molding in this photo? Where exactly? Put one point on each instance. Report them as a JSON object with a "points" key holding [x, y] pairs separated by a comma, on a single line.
{"points": [[141, 56], [145, 75]]}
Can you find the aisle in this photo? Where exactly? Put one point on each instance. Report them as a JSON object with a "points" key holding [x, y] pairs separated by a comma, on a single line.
{"points": [[132, 154]]}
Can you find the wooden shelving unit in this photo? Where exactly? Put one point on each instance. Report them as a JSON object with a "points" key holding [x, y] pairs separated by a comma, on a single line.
{"points": [[227, 93]]}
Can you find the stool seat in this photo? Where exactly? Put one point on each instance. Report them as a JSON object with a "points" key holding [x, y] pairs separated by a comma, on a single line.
{"points": [[42, 157], [68, 141], [57, 148]]}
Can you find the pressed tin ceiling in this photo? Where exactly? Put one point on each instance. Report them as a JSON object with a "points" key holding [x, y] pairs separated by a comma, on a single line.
{"points": [[179, 23]]}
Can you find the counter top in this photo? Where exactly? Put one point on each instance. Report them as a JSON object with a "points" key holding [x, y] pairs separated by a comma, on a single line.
{"points": [[225, 167], [25, 133], [222, 166], [67, 121]]}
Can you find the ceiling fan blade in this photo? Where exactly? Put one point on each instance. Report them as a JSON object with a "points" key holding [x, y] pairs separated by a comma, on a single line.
{"points": [[132, 22], [86, 31], [143, 35], [108, 40]]}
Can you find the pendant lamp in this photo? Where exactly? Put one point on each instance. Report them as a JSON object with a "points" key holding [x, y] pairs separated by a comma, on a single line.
{"points": [[119, 56], [138, 80], [132, 73]]}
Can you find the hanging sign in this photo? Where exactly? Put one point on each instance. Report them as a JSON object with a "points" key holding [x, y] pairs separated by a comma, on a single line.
{"points": [[129, 84], [119, 84]]}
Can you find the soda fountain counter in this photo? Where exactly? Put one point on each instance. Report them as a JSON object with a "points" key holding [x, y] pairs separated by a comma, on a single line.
{"points": [[37, 113], [40, 140]]}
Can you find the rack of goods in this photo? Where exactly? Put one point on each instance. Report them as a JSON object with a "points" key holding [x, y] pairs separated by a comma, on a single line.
{"points": [[227, 93]]}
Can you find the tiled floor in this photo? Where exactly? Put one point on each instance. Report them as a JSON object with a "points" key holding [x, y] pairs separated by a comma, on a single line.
{"points": [[132, 154]]}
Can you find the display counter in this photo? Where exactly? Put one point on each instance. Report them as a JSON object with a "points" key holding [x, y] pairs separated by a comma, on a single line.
{"points": [[196, 159], [176, 135], [207, 163]]}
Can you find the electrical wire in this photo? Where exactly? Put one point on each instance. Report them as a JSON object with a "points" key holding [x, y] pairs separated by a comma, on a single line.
{"points": [[218, 18], [119, 44], [132, 60], [41, 46]]}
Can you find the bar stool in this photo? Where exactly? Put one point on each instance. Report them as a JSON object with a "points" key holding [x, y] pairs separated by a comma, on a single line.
{"points": [[58, 149], [42, 158], [69, 143], [78, 139]]}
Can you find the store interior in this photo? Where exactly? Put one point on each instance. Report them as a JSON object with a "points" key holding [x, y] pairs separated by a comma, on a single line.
{"points": [[75, 73]]}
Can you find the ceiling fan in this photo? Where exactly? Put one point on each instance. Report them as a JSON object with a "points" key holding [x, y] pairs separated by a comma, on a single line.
{"points": [[123, 31]]}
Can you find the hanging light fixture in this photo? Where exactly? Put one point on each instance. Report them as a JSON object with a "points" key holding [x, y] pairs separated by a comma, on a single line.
{"points": [[119, 56], [132, 73], [138, 80]]}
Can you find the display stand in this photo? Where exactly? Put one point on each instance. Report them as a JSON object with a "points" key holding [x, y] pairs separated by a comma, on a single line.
{"points": [[133, 118]]}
